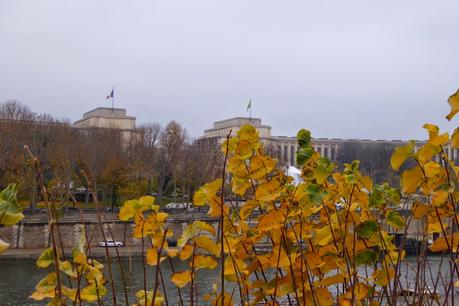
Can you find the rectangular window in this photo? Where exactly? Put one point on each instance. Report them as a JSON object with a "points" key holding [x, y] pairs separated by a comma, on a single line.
{"points": [[292, 155]]}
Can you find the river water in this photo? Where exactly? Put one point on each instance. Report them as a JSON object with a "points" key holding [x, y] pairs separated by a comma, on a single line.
{"points": [[18, 278]]}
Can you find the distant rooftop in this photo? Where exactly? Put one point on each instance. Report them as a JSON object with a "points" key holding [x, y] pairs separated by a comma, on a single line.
{"points": [[106, 111]]}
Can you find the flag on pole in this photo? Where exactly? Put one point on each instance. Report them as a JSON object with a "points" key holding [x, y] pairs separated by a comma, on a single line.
{"points": [[112, 94], [249, 106]]}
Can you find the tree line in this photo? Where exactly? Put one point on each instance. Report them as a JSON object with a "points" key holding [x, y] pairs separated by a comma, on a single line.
{"points": [[163, 161]]}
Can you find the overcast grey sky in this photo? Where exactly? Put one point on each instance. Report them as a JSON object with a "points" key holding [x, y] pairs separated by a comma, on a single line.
{"points": [[347, 69]]}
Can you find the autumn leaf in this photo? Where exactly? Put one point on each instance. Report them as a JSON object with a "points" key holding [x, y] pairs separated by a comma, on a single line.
{"points": [[180, 279], [3, 246], [394, 219], [400, 155], [441, 243], [92, 293], [453, 101], [186, 252], [152, 256], [46, 258], [411, 179], [204, 262], [208, 244]]}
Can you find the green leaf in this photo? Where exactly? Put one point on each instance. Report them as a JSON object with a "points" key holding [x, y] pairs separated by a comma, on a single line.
{"points": [[367, 257], [304, 138], [303, 155], [367, 228], [316, 194], [394, 219], [10, 210], [46, 258]]}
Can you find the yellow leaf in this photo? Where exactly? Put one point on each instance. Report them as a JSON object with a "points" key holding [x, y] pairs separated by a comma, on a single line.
{"points": [[38, 296], [208, 244], [268, 191], [324, 296], [172, 252], [128, 210], [432, 169], [427, 151], [186, 252], [453, 101], [331, 280], [46, 258], [147, 200], [441, 243], [260, 166], [3, 246], [419, 210], [204, 262], [161, 216], [324, 236], [411, 179], [439, 197], [432, 129], [230, 265], [180, 279], [91, 293], [67, 268], [152, 256], [383, 277], [206, 192], [400, 155], [47, 284], [440, 139], [271, 221], [361, 291]]}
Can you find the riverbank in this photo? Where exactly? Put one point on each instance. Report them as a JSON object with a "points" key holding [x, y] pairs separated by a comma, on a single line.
{"points": [[97, 252]]}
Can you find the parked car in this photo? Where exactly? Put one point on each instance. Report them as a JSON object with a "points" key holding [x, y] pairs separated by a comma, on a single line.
{"points": [[110, 243]]}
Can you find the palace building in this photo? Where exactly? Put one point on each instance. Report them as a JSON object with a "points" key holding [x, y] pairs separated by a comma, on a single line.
{"points": [[284, 147]]}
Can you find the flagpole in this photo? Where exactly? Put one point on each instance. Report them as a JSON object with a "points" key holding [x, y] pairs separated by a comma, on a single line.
{"points": [[250, 110], [113, 99]]}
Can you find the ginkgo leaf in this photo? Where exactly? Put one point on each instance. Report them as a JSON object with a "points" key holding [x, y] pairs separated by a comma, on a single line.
{"points": [[453, 101], [181, 279]]}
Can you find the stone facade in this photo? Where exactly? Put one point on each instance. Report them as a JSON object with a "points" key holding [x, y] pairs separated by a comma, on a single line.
{"points": [[285, 147]]}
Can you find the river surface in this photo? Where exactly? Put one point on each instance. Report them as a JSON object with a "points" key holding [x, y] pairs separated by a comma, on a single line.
{"points": [[18, 279]]}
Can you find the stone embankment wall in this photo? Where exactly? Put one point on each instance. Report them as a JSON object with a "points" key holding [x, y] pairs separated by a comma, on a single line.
{"points": [[33, 232]]}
